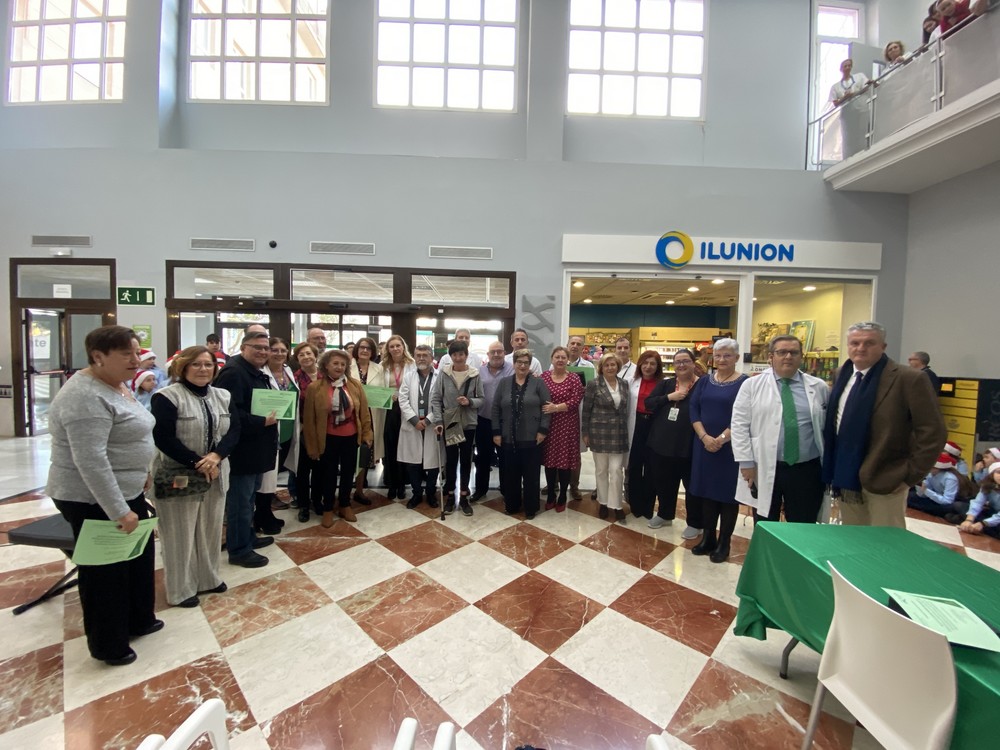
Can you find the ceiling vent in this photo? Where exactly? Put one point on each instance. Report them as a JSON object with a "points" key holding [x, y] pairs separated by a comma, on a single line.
{"points": [[61, 240], [211, 243], [342, 248], [460, 253], [662, 296]]}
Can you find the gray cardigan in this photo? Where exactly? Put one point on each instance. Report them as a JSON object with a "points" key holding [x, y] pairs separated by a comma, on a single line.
{"points": [[533, 421]]}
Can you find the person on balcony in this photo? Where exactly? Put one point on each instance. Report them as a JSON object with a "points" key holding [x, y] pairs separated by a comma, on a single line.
{"points": [[850, 84]]}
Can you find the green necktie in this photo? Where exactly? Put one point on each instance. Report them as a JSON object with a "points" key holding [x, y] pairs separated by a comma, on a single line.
{"points": [[790, 420]]}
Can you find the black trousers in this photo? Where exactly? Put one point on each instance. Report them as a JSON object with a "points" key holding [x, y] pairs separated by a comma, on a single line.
{"points": [[339, 460], [423, 481], [797, 487], [523, 461], [117, 599], [716, 512], [309, 481], [926, 505], [639, 480], [455, 455], [393, 475], [486, 449], [667, 475]]}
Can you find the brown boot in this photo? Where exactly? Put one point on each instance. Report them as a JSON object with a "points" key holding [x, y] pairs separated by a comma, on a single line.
{"points": [[347, 513], [328, 520]]}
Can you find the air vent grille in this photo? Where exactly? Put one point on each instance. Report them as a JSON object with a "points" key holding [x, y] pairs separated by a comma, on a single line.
{"points": [[212, 243], [61, 240], [462, 253], [342, 248]]}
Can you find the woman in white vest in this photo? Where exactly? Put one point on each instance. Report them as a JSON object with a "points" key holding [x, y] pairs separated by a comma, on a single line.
{"points": [[194, 435]]}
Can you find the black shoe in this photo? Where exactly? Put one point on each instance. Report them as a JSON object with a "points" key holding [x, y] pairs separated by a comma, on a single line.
{"points": [[303, 515], [401, 493], [706, 546], [191, 601], [220, 589], [298, 504], [414, 502], [620, 515], [251, 560], [529, 516], [603, 512], [449, 505], [466, 508], [360, 499], [268, 529], [477, 496], [433, 502], [155, 627], [593, 495], [954, 518], [121, 661], [262, 541], [318, 509], [721, 553]]}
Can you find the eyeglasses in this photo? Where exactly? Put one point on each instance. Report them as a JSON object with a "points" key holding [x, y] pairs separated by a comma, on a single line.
{"points": [[279, 351], [260, 347], [362, 348], [522, 361], [787, 353], [682, 362]]}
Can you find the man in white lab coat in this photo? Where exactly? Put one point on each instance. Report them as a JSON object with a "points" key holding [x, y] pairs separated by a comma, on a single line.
{"points": [[418, 445]]}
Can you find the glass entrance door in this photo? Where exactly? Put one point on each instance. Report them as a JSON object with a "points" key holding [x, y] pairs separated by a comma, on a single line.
{"points": [[44, 370]]}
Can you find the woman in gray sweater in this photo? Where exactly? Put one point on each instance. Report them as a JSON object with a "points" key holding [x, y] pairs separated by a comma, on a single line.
{"points": [[519, 427], [102, 445]]}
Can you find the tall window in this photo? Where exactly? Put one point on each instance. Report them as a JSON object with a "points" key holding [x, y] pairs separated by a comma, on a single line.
{"points": [[447, 54], [66, 50], [258, 50], [837, 26], [636, 57]]}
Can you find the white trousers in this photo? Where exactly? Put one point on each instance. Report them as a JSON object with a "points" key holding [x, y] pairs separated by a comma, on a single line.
{"points": [[190, 542], [609, 471]]}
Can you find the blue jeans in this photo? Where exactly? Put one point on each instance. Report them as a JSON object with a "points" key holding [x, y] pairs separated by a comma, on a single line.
{"points": [[239, 514]]}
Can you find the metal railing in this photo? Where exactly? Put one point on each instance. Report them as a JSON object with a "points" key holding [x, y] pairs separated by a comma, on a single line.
{"points": [[933, 76]]}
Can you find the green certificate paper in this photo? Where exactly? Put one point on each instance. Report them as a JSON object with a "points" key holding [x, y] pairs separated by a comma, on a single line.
{"points": [[948, 617], [103, 543], [379, 396], [587, 373], [282, 403]]}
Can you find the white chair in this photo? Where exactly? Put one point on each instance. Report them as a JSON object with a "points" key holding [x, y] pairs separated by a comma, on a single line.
{"points": [[406, 738], [656, 742], [895, 677], [209, 718]]}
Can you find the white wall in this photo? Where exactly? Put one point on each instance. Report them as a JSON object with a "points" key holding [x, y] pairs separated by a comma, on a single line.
{"points": [[890, 20], [952, 275]]}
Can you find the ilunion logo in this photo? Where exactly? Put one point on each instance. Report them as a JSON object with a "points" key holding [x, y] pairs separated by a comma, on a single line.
{"points": [[687, 250]]}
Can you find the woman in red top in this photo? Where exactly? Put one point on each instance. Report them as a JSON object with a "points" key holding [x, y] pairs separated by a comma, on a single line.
{"points": [[648, 372], [561, 449]]}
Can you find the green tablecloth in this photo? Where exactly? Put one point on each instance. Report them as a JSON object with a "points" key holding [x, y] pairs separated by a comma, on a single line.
{"points": [[786, 584]]}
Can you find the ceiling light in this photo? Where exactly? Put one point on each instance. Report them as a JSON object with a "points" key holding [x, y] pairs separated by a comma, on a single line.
{"points": [[669, 302], [754, 299], [809, 288], [693, 289], [718, 281], [578, 284], [587, 301]]}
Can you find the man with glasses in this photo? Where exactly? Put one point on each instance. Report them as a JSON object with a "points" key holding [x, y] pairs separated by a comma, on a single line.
{"points": [[496, 369], [317, 337], [777, 437], [255, 451]]}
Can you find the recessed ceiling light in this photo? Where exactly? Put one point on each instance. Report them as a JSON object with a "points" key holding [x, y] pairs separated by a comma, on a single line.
{"points": [[809, 288], [718, 281], [669, 302], [587, 301], [578, 284], [754, 299], [693, 289]]}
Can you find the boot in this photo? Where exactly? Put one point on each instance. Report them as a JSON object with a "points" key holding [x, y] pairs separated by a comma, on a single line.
{"points": [[347, 514], [264, 519], [721, 553], [327, 521], [707, 544]]}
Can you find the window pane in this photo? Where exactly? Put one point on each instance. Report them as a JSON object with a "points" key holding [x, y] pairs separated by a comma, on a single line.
{"points": [[27, 10], [619, 51], [394, 42], [428, 8], [53, 83], [87, 41], [116, 39], [25, 47], [584, 93], [89, 8], [275, 39], [114, 81], [834, 21], [241, 6], [117, 7], [86, 82], [393, 86], [310, 82], [688, 54], [206, 6], [654, 53], [276, 6], [22, 85], [206, 37], [317, 7], [241, 81], [190, 283], [498, 45], [464, 10], [428, 87], [463, 88], [654, 14], [241, 37], [651, 96], [58, 8], [585, 49], [463, 290], [685, 99], [394, 8], [585, 12], [315, 284], [619, 13], [617, 95], [498, 90], [275, 82], [56, 44], [310, 39], [205, 82], [500, 10], [463, 45], [689, 15], [428, 42], [88, 282]]}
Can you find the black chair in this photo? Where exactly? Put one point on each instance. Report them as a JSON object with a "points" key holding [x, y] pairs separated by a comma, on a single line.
{"points": [[56, 533]]}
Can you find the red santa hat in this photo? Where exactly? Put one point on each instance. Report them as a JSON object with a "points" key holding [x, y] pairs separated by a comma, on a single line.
{"points": [[994, 453], [953, 448], [945, 461], [994, 468], [139, 377], [145, 354]]}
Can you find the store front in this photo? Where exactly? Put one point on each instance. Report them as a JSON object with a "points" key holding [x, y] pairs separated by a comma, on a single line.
{"points": [[676, 291]]}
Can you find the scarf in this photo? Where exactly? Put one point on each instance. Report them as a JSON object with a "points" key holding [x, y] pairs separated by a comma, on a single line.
{"points": [[339, 403], [517, 404], [845, 450]]}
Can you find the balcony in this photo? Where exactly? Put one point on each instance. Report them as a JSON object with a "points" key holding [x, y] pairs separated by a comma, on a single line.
{"points": [[931, 119]]}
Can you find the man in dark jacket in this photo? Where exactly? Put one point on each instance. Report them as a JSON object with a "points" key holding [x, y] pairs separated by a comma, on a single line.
{"points": [[253, 454]]}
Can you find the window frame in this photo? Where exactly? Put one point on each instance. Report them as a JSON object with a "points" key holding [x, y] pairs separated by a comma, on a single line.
{"points": [[818, 97]]}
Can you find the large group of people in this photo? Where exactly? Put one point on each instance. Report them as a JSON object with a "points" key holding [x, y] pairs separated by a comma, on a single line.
{"points": [[208, 456]]}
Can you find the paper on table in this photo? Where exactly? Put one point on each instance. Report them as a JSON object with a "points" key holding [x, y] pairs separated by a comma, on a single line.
{"points": [[948, 617], [379, 396], [103, 543], [265, 400]]}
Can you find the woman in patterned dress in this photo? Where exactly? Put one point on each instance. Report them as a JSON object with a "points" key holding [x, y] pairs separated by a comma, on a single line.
{"points": [[561, 449]]}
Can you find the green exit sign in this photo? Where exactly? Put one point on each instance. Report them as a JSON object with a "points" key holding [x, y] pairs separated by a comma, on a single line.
{"points": [[136, 295]]}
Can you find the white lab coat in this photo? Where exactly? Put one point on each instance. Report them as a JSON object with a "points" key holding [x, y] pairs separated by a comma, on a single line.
{"points": [[756, 426], [633, 400], [416, 447]]}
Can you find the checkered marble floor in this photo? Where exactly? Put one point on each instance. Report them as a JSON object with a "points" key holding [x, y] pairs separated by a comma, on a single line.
{"points": [[563, 632]]}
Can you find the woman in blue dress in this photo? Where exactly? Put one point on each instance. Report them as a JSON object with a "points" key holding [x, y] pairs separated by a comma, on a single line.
{"points": [[713, 469]]}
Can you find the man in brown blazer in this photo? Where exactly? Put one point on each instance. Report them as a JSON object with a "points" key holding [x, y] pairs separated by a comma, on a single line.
{"points": [[883, 431]]}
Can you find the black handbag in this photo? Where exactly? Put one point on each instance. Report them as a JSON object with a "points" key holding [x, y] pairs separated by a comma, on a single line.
{"points": [[178, 483]]}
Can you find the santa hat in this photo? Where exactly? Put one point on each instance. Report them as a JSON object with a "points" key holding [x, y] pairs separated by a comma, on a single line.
{"points": [[994, 452], [994, 468], [953, 448], [139, 377], [145, 354], [945, 461]]}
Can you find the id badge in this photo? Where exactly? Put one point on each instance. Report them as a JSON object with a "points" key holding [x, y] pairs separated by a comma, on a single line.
{"points": [[672, 414], [421, 412]]}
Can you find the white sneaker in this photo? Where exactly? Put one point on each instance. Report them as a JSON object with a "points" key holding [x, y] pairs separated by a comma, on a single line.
{"points": [[691, 533], [656, 522]]}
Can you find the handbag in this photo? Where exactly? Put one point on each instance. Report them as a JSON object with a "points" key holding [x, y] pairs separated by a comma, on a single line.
{"points": [[179, 483]]}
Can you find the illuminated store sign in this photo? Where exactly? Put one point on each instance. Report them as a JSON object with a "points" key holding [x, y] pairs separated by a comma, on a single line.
{"points": [[675, 250]]}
